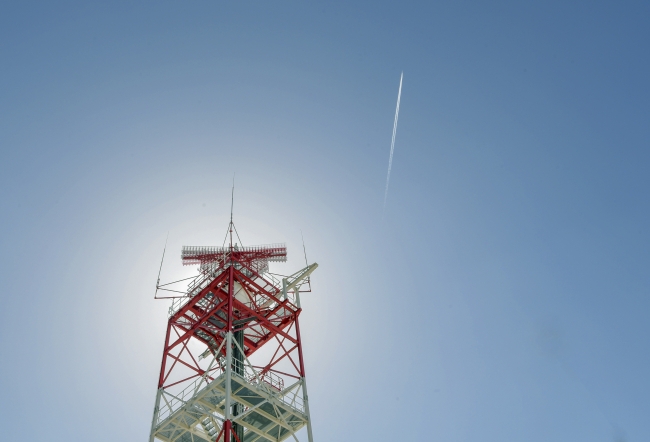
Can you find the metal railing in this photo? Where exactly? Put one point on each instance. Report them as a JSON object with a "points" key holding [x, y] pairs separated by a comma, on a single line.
{"points": [[202, 281], [270, 383], [193, 288], [173, 402]]}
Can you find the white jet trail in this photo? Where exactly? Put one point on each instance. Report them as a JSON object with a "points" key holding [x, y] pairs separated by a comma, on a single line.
{"points": [[392, 143]]}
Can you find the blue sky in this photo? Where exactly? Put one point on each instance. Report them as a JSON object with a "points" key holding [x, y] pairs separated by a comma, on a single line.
{"points": [[503, 294]]}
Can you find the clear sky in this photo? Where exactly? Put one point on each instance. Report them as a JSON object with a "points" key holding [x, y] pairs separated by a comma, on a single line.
{"points": [[503, 294]]}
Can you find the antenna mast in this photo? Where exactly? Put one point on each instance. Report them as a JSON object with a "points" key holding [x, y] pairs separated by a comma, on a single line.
{"points": [[161, 264], [232, 202]]}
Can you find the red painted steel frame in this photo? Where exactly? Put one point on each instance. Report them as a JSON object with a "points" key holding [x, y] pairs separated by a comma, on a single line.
{"points": [[216, 309], [227, 433]]}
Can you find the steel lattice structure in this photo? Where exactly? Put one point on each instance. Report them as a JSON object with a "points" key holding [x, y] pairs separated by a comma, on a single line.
{"points": [[232, 367]]}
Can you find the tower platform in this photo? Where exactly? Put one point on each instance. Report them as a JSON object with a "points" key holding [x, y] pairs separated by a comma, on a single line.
{"points": [[268, 414]]}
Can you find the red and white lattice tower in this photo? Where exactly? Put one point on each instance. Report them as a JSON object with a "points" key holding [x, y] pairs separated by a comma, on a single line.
{"points": [[232, 367]]}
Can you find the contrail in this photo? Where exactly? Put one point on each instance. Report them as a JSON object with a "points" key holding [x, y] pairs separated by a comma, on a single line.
{"points": [[392, 143]]}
